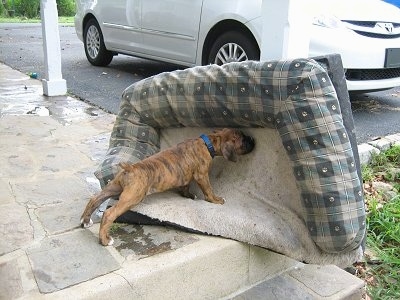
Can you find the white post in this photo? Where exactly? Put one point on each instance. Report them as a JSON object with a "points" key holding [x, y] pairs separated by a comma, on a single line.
{"points": [[286, 28], [53, 84]]}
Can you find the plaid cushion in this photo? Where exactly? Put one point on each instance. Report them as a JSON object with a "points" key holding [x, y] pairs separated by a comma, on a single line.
{"points": [[296, 97]]}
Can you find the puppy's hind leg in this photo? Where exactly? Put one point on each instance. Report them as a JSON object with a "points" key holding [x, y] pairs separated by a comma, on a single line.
{"points": [[130, 197], [112, 189]]}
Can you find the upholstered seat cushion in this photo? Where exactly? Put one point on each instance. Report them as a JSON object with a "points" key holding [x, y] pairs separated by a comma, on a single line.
{"points": [[295, 99]]}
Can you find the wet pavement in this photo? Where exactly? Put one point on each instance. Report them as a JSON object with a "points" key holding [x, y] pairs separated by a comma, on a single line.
{"points": [[49, 149]]}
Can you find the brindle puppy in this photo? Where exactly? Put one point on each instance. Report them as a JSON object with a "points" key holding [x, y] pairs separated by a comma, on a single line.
{"points": [[175, 167]]}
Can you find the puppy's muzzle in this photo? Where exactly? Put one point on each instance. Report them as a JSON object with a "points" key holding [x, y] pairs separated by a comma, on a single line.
{"points": [[247, 144]]}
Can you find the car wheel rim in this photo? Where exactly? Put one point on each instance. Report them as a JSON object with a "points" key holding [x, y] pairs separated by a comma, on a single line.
{"points": [[230, 52], [93, 42]]}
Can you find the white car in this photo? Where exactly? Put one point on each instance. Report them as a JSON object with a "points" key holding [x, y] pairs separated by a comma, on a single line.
{"points": [[366, 33]]}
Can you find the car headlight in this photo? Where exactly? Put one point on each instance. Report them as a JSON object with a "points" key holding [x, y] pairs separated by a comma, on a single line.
{"points": [[328, 21]]}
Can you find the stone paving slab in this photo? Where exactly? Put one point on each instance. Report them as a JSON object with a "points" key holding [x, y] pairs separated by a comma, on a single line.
{"points": [[60, 217], [277, 288], [15, 227], [307, 282], [5, 192], [50, 191], [10, 283], [68, 259], [329, 282]]}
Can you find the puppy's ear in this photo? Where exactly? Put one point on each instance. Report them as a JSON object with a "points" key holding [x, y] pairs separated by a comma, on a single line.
{"points": [[228, 151]]}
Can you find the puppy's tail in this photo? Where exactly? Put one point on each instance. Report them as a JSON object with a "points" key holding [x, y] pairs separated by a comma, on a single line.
{"points": [[112, 189]]}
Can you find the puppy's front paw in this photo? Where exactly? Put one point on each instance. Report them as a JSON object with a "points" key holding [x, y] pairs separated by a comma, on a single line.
{"points": [[86, 224], [107, 241], [217, 200]]}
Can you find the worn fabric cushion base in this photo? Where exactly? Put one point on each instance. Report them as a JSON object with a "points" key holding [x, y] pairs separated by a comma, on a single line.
{"points": [[297, 100]]}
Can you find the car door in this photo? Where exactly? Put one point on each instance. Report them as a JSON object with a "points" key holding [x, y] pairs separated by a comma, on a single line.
{"points": [[170, 29], [121, 24]]}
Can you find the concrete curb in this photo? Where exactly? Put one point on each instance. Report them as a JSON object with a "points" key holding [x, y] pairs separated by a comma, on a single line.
{"points": [[366, 150]]}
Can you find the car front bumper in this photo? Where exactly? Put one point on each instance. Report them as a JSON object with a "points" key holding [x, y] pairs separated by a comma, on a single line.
{"points": [[363, 57]]}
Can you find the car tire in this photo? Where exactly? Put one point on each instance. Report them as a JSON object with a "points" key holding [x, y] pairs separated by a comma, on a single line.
{"points": [[95, 50], [233, 46]]}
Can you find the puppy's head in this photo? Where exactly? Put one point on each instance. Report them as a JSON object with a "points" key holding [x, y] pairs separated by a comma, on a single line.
{"points": [[234, 142]]}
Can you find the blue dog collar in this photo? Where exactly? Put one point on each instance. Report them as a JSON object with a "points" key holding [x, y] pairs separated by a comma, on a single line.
{"points": [[209, 145]]}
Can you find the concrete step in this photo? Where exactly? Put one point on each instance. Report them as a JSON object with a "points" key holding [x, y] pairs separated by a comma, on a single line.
{"points": [[165, 263]]}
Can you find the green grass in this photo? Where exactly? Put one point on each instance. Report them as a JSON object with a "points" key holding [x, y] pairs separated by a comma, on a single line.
{"points": [[382, 273], [384, 241], [61, 20]]}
